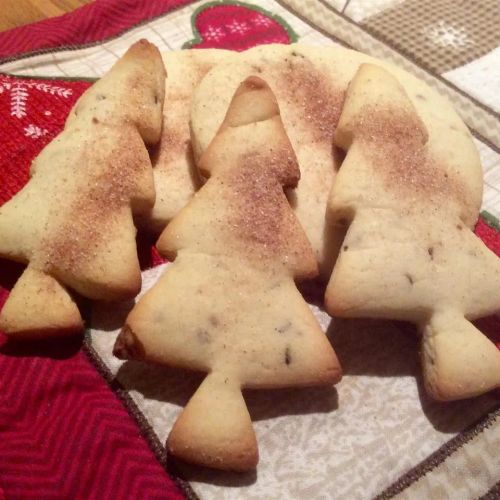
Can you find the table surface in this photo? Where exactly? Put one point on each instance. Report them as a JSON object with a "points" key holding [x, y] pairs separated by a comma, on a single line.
{"points": [[20, 12]]}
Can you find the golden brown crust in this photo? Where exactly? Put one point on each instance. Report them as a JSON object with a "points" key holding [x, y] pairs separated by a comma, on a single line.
{"points": [[127, 345]]}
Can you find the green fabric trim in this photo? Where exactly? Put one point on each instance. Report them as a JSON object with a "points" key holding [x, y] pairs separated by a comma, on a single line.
{"points": [[197, 37], [65, 78], [490, 219]]}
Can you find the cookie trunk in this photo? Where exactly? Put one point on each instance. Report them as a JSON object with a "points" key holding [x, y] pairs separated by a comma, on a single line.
{"points": [[458, 360], [39, 306], [215, 429]]}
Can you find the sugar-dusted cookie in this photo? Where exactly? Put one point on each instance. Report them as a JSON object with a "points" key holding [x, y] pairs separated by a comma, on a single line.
{"points": [[176, 178], [72, 223], [409, 252], [310, 102], [228, 304], [309, 84]]}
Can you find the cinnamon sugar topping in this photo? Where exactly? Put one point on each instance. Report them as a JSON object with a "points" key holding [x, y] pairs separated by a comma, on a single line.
{"points": [[94, 212], [260, 213], [396, 142], [318, 101]]}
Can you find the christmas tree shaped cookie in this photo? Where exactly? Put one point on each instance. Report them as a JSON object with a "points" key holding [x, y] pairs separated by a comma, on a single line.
{"points": [[72, 223], [409, 252], [175, 176], [228, 304]]}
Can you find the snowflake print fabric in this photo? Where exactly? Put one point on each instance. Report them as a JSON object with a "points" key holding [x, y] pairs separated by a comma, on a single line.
{"points": [[34, 112], [18, 96], [448, 35], [20, 92], [34, 132]]}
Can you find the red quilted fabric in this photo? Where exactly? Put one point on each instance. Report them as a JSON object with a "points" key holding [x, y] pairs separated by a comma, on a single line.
{"points": [[489, 235], [98, 20], [65, 434]]}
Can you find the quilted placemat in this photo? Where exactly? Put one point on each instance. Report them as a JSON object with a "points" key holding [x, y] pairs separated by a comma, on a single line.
{"points": [[77, 423]]}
